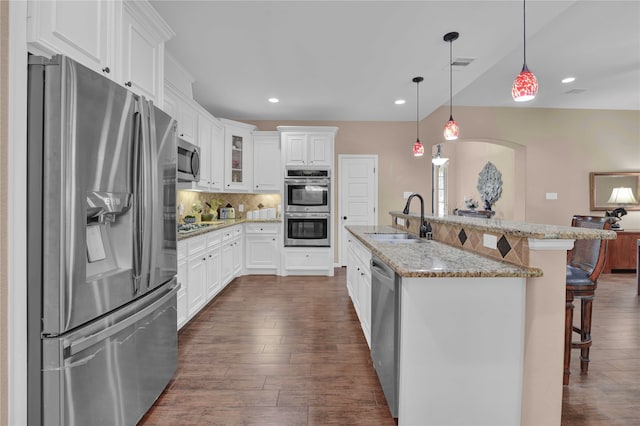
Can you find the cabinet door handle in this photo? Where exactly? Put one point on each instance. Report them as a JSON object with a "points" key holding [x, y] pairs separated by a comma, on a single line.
{"points": [[204, 259], [106, 70], [257, 186], [344, 218], [128, 84]]}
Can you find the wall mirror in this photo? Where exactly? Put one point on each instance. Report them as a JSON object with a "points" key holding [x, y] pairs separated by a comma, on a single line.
{"points": [[610, 190]]}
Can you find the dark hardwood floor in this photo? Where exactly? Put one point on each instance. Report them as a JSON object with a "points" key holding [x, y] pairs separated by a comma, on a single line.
{"points": [[289, 351], [610, 393]]}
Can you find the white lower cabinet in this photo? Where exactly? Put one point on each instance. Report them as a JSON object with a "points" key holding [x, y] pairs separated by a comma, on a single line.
{"points": [[262, 253], [227, 263], [197, 275], [206, 264], [236, 253], [359, 283], [214, 265], [182, 292], [307, 261]]}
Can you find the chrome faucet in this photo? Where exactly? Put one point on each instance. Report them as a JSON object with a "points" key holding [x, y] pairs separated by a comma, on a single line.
{"points": [[425, 228]]}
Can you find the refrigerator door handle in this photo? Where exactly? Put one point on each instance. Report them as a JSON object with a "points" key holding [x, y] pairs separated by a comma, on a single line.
{"points": [[151, 192], [145, 196], [137, 214], [81, 344]]}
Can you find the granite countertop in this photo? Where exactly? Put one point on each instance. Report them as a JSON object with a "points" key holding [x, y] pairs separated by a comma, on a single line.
{"points": [[434, 259], [521, 229], [220, 224]]}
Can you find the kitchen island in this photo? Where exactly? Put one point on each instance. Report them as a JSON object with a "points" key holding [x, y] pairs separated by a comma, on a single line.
{"points": [[481, 339]]}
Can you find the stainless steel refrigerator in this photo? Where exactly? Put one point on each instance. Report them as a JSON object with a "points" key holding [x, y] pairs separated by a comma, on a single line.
{"points": [[102, 336]]}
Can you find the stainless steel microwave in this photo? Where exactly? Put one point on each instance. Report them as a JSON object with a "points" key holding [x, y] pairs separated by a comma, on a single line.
{"points": [[188, 162]]}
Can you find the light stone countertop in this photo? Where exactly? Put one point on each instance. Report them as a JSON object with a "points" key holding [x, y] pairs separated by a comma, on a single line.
{"points": [[521, 229], [434, 259], [220, 224]]}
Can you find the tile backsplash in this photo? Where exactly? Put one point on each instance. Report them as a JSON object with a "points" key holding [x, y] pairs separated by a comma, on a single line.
{"points": [[250, 201]]}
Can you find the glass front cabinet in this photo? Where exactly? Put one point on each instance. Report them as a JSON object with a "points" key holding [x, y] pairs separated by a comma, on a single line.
{"points": [[238, 155]]}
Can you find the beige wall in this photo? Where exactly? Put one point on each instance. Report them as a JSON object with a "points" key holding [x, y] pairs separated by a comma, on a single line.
{"points": [[399, 171], [4, 146], [561, 147], [467, 160]]}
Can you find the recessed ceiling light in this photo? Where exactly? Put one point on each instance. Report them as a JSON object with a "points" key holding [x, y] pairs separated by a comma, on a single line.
{"points": [[400, 102], [568, 80], [274, 100]]}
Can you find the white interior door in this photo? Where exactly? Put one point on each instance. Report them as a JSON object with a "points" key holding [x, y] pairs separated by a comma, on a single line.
{"points": [[357, 195]]}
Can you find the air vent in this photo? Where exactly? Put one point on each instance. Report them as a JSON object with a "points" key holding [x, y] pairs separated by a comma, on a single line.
{"points": [[462, 62], [575, 91]]}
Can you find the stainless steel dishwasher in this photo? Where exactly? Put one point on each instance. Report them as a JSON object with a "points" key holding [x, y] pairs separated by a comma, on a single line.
{"points": [[385, 329]]}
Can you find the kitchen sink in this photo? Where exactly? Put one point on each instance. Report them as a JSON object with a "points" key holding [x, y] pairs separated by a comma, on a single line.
{"points": [[399, 238]]}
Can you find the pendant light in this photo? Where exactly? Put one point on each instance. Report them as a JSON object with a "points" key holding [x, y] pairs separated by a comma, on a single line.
{"points": [[438, 159], [525, 85], [418, 149], [451, 129]]}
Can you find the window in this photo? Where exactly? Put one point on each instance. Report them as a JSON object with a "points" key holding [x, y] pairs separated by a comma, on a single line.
{"points": [[440, 189]]}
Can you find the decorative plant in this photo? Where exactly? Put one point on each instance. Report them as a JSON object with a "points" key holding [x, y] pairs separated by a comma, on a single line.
{"points": [[489, 185]]}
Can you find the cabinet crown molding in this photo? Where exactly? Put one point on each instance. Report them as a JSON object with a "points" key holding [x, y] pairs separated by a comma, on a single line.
{"points": [[149, 16], [308, 129]]}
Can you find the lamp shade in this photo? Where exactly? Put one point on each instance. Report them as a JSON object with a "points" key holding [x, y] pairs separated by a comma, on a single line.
{"points": [[451, 130], [439, 161], [622, 195], [525, 86], [418, 149]]}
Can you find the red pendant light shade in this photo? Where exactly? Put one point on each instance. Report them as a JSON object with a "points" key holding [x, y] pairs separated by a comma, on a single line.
{"points": [[451, 129], [418, 149], [525, 86]]}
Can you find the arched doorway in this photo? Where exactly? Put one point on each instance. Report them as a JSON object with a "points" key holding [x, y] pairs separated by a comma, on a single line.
{"points": [[467, 157]]}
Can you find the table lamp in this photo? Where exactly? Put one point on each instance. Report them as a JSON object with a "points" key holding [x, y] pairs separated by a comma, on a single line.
{"points": [[621, 196]]}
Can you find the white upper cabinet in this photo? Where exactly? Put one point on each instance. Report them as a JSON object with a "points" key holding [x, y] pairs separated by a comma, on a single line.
{"points": [[187, 117], [307, 146], [123, 40], [217, 156], [84, 31], [204, 138], [142, 49], [211, 140], [320, 150], [184, 111], [238, 155], [267, 169]]}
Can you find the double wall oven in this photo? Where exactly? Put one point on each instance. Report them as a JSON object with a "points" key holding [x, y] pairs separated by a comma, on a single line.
{"points": [[307, 208]]}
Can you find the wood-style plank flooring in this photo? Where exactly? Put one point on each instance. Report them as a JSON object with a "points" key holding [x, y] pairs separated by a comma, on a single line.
{"points": [[609, 394], [274, 351], [290, 351]]}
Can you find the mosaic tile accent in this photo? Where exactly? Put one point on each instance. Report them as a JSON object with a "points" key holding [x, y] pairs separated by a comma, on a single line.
{"points": [[434, 259], [515, 248], [503, 246], [462, 236]]}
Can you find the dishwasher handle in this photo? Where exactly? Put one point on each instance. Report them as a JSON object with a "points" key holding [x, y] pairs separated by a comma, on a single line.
{"points": [[382, 270]]}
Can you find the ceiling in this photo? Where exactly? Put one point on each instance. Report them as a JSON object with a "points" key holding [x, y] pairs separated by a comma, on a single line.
{"points": [[350, 60]]}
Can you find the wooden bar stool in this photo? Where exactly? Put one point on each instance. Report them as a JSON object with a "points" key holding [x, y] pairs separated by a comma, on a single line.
{"points": [[585, 262]]}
